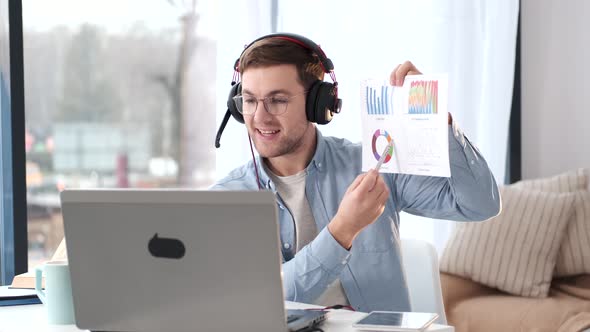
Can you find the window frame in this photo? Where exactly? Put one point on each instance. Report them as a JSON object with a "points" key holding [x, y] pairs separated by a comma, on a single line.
{"points": [[13, 218]]}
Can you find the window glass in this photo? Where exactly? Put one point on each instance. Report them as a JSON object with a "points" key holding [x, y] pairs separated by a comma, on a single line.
{"points": [[118, 94]]}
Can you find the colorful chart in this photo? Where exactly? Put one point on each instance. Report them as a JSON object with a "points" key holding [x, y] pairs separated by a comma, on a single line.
{"points": [[423, 97], [378, 133], [379, 100]]}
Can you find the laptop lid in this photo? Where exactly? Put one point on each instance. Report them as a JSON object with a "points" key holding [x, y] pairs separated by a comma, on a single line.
{"points": [[174, 260]]}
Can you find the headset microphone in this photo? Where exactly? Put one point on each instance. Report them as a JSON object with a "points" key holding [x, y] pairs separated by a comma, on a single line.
{"points": [[221, 128]]}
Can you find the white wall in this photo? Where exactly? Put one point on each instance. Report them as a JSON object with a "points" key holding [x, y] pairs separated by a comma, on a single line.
{"points": [[555, 60]]}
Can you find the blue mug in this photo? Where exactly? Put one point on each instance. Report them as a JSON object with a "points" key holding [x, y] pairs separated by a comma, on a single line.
{"points": [[57, 296]]}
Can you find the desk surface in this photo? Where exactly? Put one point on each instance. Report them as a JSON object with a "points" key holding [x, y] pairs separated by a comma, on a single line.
{"points": [[32, 318]]}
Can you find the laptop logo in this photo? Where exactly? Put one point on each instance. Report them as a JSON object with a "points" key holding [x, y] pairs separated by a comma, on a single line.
{"points": [[162, 247]]}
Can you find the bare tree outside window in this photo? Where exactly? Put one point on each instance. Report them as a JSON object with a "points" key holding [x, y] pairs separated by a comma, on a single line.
{"points": [[130, 104]]}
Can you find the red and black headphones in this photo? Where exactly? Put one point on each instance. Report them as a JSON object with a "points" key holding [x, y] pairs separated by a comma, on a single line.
{"points": [[322, 100]]}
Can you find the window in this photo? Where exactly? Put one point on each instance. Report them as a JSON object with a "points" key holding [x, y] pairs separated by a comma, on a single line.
{"points": [[130, 94], [118, 94]]}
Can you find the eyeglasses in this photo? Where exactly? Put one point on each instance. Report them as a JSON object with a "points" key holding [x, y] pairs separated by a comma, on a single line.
{"points": [[275, 105]]}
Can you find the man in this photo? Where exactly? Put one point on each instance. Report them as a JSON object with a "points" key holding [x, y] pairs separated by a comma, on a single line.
{"points": [[338, 227]]}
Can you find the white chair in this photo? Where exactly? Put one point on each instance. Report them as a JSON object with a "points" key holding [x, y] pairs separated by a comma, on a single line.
{"points": [[420, 261]]}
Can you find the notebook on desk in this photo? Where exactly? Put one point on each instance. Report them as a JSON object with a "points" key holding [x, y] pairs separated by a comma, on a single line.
{"points": [[173, 260]]}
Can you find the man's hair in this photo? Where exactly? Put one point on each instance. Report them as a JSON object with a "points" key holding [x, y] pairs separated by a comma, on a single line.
{"points": [[276, 51]]}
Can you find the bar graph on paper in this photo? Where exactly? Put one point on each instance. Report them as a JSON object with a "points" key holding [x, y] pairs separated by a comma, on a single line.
{"points": [[423, 97], [379, 100]]}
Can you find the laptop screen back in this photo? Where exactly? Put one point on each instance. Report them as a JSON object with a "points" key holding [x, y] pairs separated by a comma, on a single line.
{"points": [[174, 260]]}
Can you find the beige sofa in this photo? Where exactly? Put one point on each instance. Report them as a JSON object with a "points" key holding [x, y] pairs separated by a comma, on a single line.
{"points": [[528, 269], [472, 307]]}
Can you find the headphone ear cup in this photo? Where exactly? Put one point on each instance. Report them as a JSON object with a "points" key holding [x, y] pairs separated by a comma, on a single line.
{"points": [[236, 89], [311, 101], [324, 102]]}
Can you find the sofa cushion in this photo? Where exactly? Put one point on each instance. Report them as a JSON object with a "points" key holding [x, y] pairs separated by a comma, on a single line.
{"points": [[456, 289], [483, 309], [516, 250], [574, 253]]}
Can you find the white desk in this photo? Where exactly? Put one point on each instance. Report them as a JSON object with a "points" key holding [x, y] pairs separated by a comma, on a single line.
{"points": [[33, 318]]}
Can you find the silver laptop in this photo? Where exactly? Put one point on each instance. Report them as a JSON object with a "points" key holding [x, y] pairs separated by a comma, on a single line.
{"points": [[176, 260]]}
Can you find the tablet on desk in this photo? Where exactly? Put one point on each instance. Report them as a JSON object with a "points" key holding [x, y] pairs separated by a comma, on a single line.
{"points": [[395, 321]]}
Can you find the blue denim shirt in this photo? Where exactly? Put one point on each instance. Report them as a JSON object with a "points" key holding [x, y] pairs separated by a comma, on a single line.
{"points": [[371, 272]]}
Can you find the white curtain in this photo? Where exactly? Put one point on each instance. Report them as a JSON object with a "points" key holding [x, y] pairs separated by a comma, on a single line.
{"points": [[471, 40]]}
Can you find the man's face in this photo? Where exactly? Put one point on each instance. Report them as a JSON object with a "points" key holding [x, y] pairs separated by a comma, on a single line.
{"points": [[276, 135]]}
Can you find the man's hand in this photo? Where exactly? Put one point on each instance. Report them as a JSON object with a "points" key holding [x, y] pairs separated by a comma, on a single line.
{"points": [[401, 71], [362, 204]]}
